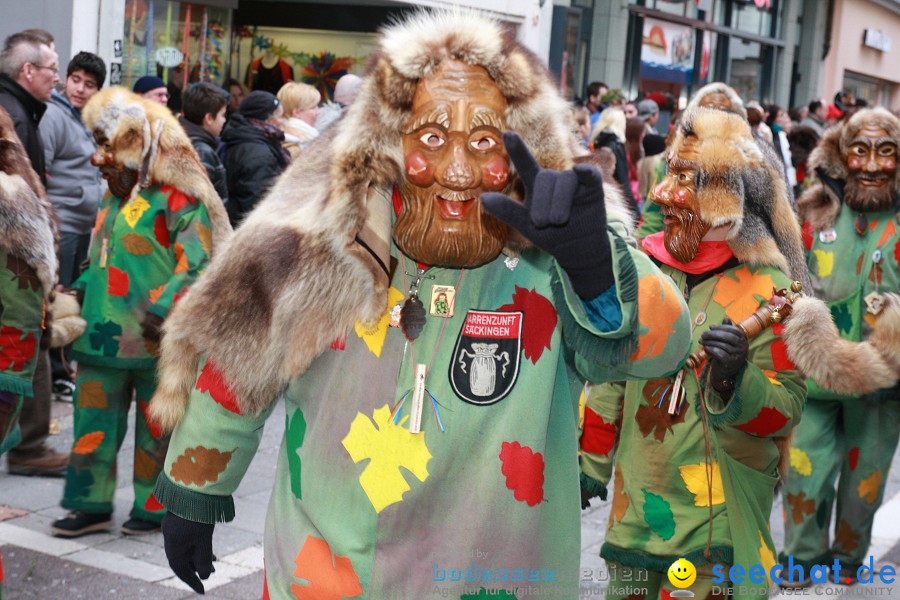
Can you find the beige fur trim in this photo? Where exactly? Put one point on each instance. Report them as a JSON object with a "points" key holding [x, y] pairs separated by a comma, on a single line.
{"points": [[720, 88], [817, 349]]}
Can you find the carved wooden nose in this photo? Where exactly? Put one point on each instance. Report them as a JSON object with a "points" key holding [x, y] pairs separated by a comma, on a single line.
{"points": [[459, 175]]}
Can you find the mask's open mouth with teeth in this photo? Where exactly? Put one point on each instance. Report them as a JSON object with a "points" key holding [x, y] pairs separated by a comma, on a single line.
{"points": [[457, 209]]}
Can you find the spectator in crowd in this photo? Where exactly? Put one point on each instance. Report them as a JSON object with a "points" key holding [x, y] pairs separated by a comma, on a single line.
{"points": [[595, 91], [614, 98], [236, 92], [344, 94], [253, 152], [635, 130], [609, 132], [630, 110], [154, 234], [581, 121], [29, 70], [648, 112], [756, 115], [798, 113], [803, 141], [153, 88], [300, 102], [203, 116], [74, 185], [834, 115], [780, 124], [649, 167], [815, 119]]}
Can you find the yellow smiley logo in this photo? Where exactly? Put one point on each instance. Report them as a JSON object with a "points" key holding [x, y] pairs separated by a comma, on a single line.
{"points": [[682, 573]]}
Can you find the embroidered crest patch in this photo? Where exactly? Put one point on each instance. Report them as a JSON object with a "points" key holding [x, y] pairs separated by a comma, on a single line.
{"points": [[485, 361]]}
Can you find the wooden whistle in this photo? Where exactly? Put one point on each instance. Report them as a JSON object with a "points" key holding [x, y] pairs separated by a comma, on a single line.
{"points": [[778, 309]]}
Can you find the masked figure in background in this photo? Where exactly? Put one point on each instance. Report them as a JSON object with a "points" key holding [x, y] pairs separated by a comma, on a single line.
{"points": [[154, 234], [405, 447], [696, 458], [852, 419]]}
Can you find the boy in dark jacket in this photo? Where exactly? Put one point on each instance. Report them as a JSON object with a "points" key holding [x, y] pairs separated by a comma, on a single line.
{"points": [[203, 116]]}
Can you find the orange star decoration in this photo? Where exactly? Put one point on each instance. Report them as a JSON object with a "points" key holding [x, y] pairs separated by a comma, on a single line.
{"points": [[846, 537], [328, 579], [800, 506], [868, 487], [658, 323], [740, 297]]}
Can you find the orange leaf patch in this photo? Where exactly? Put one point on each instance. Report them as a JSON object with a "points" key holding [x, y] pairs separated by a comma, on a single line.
{"points": [[741, 296], [329, 579], [91, 395], [88, 442], [660, 307]]}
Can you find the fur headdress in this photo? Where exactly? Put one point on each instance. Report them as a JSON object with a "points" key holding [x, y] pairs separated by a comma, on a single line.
{"points": [[314, 251], [739, 183], [737, 105], [146, 137], [819, 204], [27, 220]]}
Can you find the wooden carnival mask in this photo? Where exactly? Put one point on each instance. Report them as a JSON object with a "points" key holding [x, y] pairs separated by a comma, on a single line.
{"points": [[872, 164], [453, 152], [677, 196]]}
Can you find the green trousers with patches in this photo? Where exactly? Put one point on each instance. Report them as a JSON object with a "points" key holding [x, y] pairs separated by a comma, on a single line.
{"points": [[638, 583], [849, 440], [103, 398]]}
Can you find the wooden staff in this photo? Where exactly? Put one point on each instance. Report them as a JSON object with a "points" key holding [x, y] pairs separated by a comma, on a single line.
{"points": [[779, 308]]}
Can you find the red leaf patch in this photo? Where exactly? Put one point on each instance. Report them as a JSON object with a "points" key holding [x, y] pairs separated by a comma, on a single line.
{"points": [[540, 321], [177, 199], [598, 436], [766, 422], [524, 472], [152, 504], [15, 350], [853, 458], [161, 231], [117, 284], [154, 427], [780, 360], [213, 381]]}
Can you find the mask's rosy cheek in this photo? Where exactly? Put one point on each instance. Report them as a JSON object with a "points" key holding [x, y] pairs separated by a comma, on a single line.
{"points": [[495, 173], [418, 170], [856, 163], [681, 196]]}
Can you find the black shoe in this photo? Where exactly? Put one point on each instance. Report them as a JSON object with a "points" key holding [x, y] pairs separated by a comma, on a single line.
{"points": [[78, 523], [63, 390], [139, 527]]}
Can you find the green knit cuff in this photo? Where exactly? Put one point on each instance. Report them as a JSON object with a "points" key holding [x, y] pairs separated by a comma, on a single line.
{"points": [[720, 413], [593, 487], [16, 385], [191, 505]]}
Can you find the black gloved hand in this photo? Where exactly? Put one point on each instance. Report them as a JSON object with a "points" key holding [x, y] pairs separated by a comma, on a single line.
{"points": [[151, 327], [563, 214], [585, 498], [728, 348], [188, 547]]}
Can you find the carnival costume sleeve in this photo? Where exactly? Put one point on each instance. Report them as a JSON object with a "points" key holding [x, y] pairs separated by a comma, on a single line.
{"points": [[600, 437]]}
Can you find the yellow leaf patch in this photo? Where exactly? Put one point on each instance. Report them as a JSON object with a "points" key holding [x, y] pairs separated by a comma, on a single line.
{"points": [[825, 260], [374, 337], [800, 462], [766, 557], [868, 487], [695, 479], [133, 211]]}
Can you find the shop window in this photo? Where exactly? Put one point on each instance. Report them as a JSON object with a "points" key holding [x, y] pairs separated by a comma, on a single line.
{"points": [[181, 42], [874, 91], [745, 72]]}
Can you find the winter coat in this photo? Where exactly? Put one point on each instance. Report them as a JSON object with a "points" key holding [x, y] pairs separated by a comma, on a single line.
{"points": [[26, 112], [252, 161], [206, 144], [74, 185]]}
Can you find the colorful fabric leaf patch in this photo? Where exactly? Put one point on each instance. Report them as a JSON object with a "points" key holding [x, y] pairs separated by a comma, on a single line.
{"points": [[181, 261], [825, 262], [153, 427], [374, 337], [800, 462], [88, 442], [656, 419], [540, 321], [212, 380], [658, 515], [15, 350], [104, 337], [146, 467], [620, 498], [801, 506], [153, 505], [101, 216], [25, 275], [766, 557], [780, 360], [889, 230], [868, 487], [177, 199], [853, 458], [659, 323], [155, 293], [137, 244], [695, 479], [161, 231], [91, 395], [598, 436], [200, 465], [327, 578], [742, 294], [524, 471], [79, 481], [766, 422], [117, 282], [204, 235], [842, 318], [295, 428], [845, 537], [389, 447], [134, 210]]}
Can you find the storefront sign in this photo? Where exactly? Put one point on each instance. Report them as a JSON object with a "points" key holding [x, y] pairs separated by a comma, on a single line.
{"points": [[667, 51], [875, 38], [169, 56]]}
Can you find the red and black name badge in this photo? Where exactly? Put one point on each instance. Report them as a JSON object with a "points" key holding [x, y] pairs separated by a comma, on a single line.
{"points": [[485, 361]]}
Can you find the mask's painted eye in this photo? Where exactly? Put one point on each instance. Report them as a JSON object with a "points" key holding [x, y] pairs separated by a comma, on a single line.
{"points": [[858, 150], [432, 140], [483, 144], [887, 150]]}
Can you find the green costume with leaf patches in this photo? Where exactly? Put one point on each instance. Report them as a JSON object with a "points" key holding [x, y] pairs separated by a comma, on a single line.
{"points": [[383, 508], [847, 437], [146, 251], [661, 497]]}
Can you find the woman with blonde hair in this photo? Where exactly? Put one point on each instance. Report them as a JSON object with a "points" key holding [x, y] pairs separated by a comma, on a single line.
{"points": [[301, 107], [609, 132]]}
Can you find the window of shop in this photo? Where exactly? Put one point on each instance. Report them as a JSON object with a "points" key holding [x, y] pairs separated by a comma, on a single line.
{"points": [[874, 91], [181, 42]]}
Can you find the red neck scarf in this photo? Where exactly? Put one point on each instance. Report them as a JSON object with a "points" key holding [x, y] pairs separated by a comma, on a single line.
{"points": [[710, 255]]}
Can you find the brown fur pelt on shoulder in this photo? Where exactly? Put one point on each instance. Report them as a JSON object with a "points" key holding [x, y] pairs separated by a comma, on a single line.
{"points": [[27, 219], [146, 137], [295, 276], [819, 205]]}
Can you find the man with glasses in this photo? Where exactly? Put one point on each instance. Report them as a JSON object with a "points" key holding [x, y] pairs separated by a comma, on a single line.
{"points": [[28, 72]]}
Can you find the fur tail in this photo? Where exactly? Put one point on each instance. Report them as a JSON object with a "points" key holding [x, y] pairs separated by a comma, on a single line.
{"points": [[177, 372], [817, 349]]}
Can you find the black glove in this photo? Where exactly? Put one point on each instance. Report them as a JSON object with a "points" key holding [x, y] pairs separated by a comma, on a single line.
{"points": [[563, 214], [151, 327], [728, 349], [189, 549], [585, 498]]}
